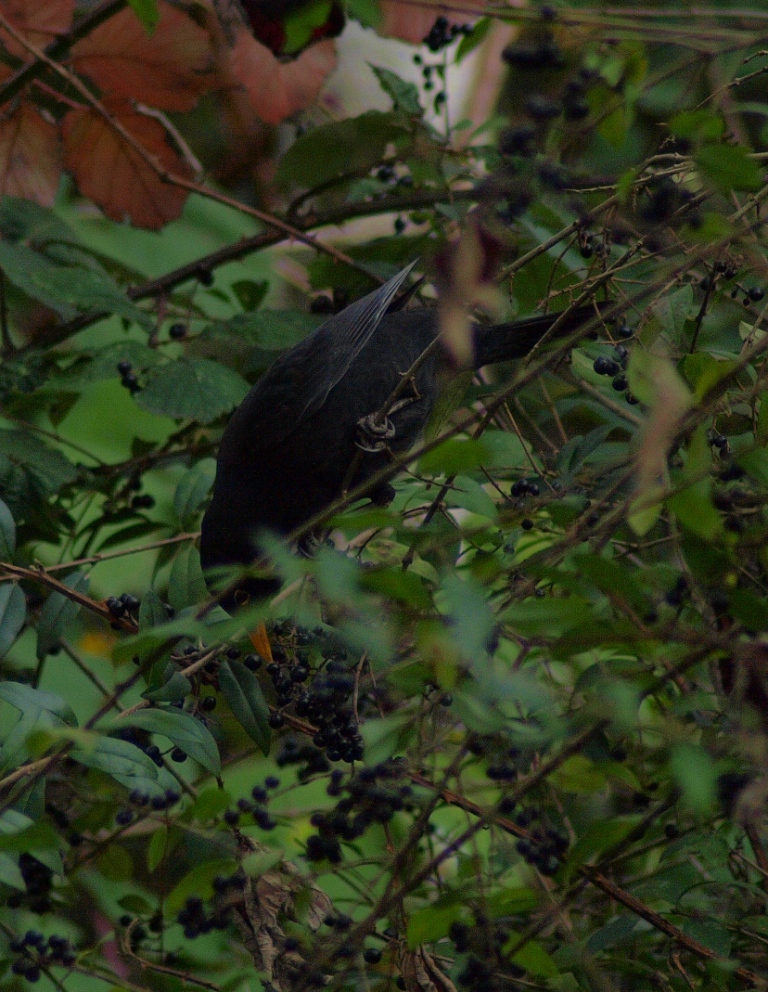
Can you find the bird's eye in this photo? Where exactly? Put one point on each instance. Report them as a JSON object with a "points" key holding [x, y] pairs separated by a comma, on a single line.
{"points": [[242, 598]]}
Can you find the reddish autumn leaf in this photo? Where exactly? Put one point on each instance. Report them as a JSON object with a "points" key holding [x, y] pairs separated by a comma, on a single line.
{"points": [[30, 156], [40, 21], [114, 175], [410, 23], [168, 69], [276, 89]]}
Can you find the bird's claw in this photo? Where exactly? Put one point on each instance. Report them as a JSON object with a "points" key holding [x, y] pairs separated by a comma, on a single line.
{"points": [[373, 433]]}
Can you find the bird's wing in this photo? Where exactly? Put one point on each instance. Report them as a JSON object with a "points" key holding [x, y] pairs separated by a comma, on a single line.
{"points": [[298, 383], [340, 340]]}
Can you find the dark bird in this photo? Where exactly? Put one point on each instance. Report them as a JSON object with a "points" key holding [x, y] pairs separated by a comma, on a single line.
{"points": [[308, 428]]}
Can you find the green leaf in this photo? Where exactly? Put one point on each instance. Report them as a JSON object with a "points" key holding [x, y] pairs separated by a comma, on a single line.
{"points": [[194, 388], [25, 698], [599, 837], [548, 617], [454, 455], [579, 774], [115, 863], [470, 616], [44, 464], [209, 804], [728, 167], [670, 312], [152, 612], [704, 371], [534, 959], [242, 691], [10, 873], [404, 95], [192, 489], [67, 289], [694, 509], [186, 585], [469, 42], [176, 686], [147, 12], [352, 146], [748, 609], [394, 583], [696, 774], [475, 713], [13, 613], [250, 295], [7, 533], [163, 843], [183, 730], [96, 366], [300, 25], [700, 125], [58, 611], [367, 12], [432, 923], [121, 760], [270, 330]]}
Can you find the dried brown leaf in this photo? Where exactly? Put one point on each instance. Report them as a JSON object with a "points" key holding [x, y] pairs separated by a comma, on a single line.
{"points": [[114, 175], [421, 974], [40, 21], [276, 89], [30, 156], [168, 69]]}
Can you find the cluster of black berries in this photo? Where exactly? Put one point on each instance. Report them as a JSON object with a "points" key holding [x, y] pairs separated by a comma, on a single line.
{"points": [[255, 807], [540, 53], [441, 34], [196, 921], [176, 332], [142, 802], [524, 487], [321, 697], [312, 760], [34, 952], [37, 879], [128, 377], [366, 802], [125, 606], [616, 367], [486, 967], [545, 847]]}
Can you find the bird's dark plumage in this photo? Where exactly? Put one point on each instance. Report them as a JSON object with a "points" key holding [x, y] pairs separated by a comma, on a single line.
{"points": [[288, 448]]}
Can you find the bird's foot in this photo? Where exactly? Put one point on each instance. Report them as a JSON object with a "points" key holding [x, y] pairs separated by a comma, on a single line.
{"points": [[374, 433]]}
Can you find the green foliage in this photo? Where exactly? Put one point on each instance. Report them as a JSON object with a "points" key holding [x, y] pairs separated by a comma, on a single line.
{"points": [[511, 734]]}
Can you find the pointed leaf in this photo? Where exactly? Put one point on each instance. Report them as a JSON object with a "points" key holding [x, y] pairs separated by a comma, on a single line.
{"points": [[13, 612], [123, 761], [242, 691], [58, 611], [168, 69], [7, 533], [30, 156], [192, 489], [192, 387], [119, 180], [183, 730]]}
